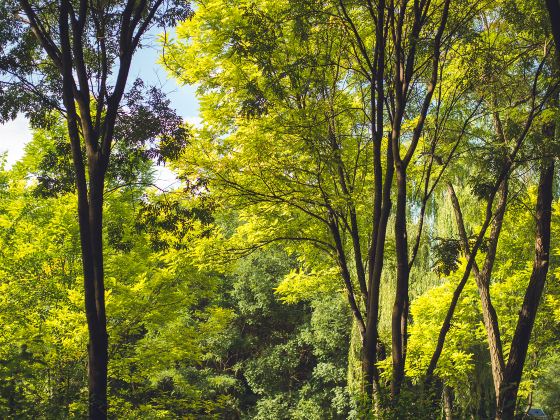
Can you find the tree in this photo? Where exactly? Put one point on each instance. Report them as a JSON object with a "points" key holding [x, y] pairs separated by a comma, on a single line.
{"points": [[169, 327], [74, 57], [367, 176], [506, 128], [317, 124]]}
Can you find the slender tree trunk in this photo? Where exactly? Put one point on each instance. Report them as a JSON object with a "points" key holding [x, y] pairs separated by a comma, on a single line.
{"points": [[482, 278], [520, 343], [382, 207], [489, 316], [371, 342], [97, 375], [490, 320], [400, 307], [90, 223], [376, 269]]}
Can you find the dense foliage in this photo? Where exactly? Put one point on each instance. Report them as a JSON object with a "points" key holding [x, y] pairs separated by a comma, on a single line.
{"points": [[365, 225]]}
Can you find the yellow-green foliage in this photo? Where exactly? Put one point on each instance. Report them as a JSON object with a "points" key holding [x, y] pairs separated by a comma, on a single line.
{"points": [[300, 285]]}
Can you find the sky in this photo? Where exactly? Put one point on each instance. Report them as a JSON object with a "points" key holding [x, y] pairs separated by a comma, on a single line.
{"points": [[15, 134]]}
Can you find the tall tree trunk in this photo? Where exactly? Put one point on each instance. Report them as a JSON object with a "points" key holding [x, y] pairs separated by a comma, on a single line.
{"points": [[98, 339], [520, 343], [90, 208], [375, 271], [67, 49], [553, 7], [90, 211], [400, 308]]}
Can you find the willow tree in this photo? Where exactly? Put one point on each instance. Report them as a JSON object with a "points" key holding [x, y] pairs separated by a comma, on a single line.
{"points": [[74, 57]]}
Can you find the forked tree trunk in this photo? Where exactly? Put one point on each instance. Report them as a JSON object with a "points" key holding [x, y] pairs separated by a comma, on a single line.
{"points": [[377, 252], [90, 212], [67, 50]]}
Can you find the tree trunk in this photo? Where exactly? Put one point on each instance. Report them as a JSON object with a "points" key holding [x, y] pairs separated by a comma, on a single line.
{"points": [[489, 316], [375, 271], [400, 308], [520, 343], [67, 50], [482, 278], [553, 7], [98, 338], [90, 210], [448, 402]]}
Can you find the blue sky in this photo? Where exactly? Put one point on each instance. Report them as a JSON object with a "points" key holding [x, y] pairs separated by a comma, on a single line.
{"points": [[15, 134]]}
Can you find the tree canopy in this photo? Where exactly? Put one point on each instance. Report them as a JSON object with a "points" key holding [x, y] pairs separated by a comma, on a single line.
{"points": [[365, 223]]}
